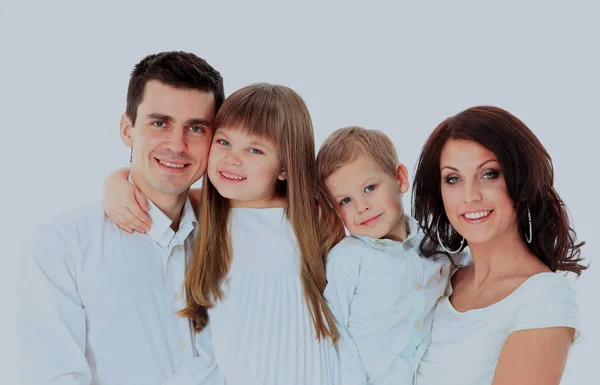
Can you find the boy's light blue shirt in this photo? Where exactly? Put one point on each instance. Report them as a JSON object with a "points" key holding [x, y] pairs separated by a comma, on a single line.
{"points": [[382, 294]]}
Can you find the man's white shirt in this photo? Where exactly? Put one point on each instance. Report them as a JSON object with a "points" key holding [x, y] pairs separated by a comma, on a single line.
{"points": [[97, 305]]}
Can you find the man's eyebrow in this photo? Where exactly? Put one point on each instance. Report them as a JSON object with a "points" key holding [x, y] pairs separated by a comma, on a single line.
{"points": [[157, 116]]}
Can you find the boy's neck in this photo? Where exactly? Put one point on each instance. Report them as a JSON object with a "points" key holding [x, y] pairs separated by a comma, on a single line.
{"points": [[400, 232]]}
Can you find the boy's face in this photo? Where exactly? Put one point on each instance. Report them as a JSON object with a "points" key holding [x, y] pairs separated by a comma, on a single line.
{"points": [[368, 199]]}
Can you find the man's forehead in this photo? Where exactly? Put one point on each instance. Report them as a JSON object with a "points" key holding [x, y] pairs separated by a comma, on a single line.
{"points": [[176, 103]]}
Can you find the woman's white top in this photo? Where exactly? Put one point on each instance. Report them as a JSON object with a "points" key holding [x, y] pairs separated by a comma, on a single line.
{"points": [[382, 294], [465, 346], [262, 331]]}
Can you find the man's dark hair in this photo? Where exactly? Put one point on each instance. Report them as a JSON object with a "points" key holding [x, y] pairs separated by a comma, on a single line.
{"points": [[176, 69]]}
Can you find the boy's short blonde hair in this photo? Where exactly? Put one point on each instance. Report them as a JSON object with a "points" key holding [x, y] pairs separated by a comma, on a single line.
{"points": [[345, 144]]}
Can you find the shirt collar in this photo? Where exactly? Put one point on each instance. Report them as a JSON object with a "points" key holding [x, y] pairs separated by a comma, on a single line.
{"points": [[161, 231], [411, 240]]}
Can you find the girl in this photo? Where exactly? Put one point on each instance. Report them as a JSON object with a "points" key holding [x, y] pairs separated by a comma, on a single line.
{"points": [[258, 267], [484, 180]]}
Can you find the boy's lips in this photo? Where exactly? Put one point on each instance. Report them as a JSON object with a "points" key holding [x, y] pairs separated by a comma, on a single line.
{"points": [[371, 220]]}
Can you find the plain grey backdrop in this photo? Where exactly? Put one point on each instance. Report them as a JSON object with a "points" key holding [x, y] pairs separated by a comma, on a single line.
{"points": [[398, 68]]}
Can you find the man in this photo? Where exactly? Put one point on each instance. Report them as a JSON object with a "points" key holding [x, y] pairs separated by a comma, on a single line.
{"points": [[98, 305]]}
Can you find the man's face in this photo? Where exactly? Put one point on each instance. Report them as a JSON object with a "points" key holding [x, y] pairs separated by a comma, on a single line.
{"points": [[170, 139]]}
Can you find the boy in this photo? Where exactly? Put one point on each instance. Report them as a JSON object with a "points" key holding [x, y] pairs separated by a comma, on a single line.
{"points": [[381, 290]]}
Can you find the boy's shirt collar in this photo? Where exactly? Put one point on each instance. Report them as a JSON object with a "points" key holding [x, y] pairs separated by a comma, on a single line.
{"points": [[411, 240]]}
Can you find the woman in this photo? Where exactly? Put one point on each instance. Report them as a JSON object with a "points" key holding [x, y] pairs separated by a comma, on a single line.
{"points": [[485, 181]]}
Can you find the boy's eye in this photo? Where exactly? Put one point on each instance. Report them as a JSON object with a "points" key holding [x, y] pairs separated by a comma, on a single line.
{"points": [[344, 201], [370, 188], [197, 129], [158, 124], [255, 151], [223, 142]]}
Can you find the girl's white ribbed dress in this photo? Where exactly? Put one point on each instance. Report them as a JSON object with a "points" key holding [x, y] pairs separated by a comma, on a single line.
{"points": [[262, 331], [465, 346]]}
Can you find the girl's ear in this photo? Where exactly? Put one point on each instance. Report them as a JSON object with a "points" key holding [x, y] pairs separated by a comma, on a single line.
{"points": [[282, 175]]}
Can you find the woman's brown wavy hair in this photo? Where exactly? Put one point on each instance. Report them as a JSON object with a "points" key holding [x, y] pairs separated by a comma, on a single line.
{"points": [[529, 176], [277, 113]]}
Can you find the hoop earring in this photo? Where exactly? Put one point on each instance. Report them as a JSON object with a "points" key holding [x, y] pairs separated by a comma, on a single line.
{"points": [[437, 232], [530, 237]]}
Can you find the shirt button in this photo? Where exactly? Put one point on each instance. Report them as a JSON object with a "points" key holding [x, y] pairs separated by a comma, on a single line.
{"points": [[176, 297], [182, 344], [409, 309], [418, 286], [418, 325]]}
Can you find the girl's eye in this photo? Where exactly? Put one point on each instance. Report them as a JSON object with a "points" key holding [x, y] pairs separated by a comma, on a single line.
{"points": [[158, 124], [255, 151], [197, 129], [452, 180], [223, 142], [344, 201], [370, 188]]}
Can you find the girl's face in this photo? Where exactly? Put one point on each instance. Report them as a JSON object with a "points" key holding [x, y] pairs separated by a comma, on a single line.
{"points": [[245, 168], [474, 192]]}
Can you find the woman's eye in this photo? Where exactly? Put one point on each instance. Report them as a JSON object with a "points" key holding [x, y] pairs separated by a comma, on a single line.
{"points": [[345, 201], [452, 180], [490, 175], [370, 188]]}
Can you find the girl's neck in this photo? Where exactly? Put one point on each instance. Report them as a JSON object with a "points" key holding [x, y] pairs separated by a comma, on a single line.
{"points": [[261, 204]]}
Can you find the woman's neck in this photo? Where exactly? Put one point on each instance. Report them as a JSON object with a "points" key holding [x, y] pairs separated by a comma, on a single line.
{"points": [[504, 256]]}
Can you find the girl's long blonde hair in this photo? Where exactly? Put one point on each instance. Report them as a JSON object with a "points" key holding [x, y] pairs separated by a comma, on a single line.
{"points": [[279, 114]]}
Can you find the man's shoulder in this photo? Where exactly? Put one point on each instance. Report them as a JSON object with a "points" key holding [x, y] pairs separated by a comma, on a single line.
{"points": [[83, 217]]}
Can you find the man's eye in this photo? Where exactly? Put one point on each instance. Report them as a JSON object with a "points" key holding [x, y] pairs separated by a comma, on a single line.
{"points": [[158, 124], [197, 129]]}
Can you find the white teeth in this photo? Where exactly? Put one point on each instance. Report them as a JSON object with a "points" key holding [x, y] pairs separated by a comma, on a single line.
{"points": [[174, 165], [230, 176], [477, 215]]}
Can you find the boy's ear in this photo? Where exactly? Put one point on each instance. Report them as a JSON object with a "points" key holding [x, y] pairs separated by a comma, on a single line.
{"points": [[126, 130], [402, 177], [282, 175]]}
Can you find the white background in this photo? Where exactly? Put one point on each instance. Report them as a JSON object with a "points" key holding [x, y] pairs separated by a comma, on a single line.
{"points": [[64, 70]]}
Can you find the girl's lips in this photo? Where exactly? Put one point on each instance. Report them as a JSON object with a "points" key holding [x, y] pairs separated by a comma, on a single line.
{"points": [[231, 177]]}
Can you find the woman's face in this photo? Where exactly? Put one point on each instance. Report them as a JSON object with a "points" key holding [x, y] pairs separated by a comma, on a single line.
{"points": [[474, 192]]}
